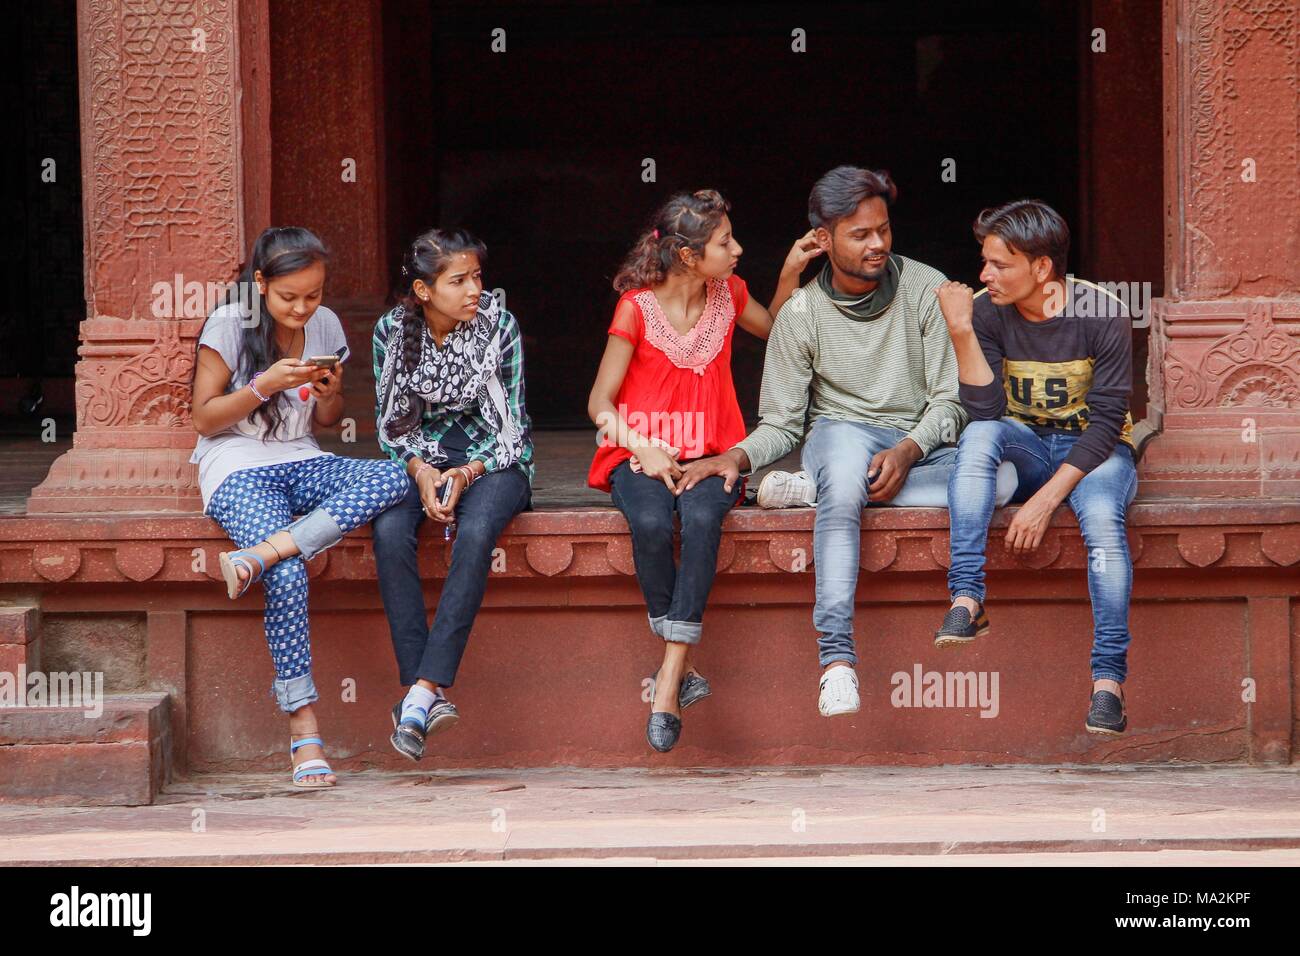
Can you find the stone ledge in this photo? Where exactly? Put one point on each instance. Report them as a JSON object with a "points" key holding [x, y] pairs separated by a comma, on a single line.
{"points": [[58, 755], [157, 548]]}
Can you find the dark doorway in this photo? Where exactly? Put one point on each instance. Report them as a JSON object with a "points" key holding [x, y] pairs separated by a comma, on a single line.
{"points": [[41, 257], [541, 148]]}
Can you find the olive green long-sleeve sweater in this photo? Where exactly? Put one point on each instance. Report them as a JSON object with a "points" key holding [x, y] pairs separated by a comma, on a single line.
{"points": [[897, 369]]}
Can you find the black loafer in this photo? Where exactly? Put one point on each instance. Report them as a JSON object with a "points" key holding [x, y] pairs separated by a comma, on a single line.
{"points": [[694, 687], [959, 627], [1106, 714], [662, 731]]}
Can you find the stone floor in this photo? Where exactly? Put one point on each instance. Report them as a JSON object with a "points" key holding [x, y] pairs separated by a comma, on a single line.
{"points": [[1148, 815]]}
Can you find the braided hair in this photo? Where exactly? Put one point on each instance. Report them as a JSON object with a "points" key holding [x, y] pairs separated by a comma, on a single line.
{"points": [[427, 258], [686, 221]]}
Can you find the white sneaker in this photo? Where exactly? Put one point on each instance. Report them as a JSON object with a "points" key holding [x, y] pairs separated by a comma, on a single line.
{"points": [[839, 692], [780, 489]]}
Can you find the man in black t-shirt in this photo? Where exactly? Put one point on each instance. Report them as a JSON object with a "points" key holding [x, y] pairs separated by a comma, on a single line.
{"points": [[1045, 370]]}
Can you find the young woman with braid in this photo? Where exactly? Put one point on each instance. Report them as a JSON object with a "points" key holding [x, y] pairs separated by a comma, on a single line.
{"points": [[449, 378]]}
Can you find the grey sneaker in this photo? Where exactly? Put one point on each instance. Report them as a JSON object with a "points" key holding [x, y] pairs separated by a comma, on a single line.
{"points": [[781, 489]]}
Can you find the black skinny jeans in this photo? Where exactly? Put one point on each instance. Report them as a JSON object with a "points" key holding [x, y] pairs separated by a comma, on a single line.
{"points": [[675, 596], [482, 512]]}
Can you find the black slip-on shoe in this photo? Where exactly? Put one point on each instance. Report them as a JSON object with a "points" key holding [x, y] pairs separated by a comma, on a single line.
{"points": [[959, 627], [662, 731], [1106, 714], [693, 688]]}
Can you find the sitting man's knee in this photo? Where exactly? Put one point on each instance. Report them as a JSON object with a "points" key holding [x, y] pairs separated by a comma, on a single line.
{"points": [[842, 487], [982, 432]]}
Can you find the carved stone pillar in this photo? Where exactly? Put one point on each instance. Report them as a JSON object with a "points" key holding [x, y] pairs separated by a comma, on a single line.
{"points": [[161, 160], [1225, 345]]}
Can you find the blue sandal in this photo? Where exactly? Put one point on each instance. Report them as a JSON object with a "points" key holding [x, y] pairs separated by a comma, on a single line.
{"points": [[308, 768], [231, 561]]}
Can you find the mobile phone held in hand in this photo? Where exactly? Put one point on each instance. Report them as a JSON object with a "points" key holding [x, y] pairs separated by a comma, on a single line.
{"points": [[329, 361], [446, 497]]}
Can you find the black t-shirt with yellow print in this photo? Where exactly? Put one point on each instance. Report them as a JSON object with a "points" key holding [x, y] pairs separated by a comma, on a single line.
{"points": [[1072, 373]]}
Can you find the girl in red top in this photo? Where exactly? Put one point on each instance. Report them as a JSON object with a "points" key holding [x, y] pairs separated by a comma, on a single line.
{"points": [[663, 398]]}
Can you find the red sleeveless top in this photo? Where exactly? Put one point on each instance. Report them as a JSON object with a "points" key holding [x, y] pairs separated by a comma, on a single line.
{"points": [[678, 388]]}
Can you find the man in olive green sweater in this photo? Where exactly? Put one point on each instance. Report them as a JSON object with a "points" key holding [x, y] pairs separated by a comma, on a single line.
{"points": [[863, 354]]}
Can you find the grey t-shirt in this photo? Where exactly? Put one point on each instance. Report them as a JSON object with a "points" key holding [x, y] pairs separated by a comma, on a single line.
{"points": [[241, 445]]}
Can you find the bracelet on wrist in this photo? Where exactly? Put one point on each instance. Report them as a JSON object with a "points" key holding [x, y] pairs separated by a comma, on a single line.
{"points": [[424, 466], [252, 384]]}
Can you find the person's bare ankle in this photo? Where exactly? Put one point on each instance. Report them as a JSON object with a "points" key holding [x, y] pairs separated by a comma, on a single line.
{"points": [[969, 603], [1106, 684]]}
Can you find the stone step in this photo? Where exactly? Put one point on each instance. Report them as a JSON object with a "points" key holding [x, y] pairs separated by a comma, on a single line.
{"points": [[74, 756], [20, 639]]}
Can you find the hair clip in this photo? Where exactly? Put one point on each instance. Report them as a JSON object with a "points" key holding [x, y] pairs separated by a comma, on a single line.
{"points": [[656, 233]]}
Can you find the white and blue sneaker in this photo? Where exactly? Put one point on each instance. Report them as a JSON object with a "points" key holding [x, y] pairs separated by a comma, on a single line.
{"points": [[838, 692]]}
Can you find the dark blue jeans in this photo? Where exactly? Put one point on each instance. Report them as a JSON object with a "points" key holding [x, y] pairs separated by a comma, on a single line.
{"points": [[486, 507], [1100, 503], [675, 597]]}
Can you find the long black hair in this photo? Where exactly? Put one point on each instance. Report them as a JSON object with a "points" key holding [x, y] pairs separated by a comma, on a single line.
{"points": [[278, 251], [428, 257]]}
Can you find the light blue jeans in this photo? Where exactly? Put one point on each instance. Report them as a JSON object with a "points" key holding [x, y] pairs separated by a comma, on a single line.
{"points": [[836, 456], [1100, 503]]}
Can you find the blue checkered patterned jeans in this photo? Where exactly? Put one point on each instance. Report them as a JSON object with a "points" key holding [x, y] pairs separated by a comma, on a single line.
{"points": [[333, 495]]}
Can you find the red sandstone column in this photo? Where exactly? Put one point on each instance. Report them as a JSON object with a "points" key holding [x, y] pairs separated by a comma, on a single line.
{"points": [[162, 174], [1225, 345]]}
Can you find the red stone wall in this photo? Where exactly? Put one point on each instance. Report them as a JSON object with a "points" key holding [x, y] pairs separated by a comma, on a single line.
{"points": [[327, 107], [554, 668]]}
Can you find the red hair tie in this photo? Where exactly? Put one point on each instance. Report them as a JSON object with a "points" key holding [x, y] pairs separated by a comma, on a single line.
{"points": [[656, 233]]}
